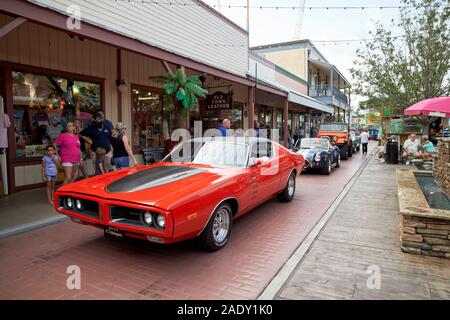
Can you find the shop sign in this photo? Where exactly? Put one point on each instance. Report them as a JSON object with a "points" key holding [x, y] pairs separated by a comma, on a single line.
{"points": [[218, 101], [396, 127], [437, 114]]}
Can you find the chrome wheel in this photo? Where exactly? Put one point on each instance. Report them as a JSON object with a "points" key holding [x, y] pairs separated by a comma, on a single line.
{"points": [[221, 224], [291, 185], [329, 166]]}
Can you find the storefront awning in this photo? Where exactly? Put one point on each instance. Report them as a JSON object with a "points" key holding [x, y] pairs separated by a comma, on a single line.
{"points": [[304, 100]]}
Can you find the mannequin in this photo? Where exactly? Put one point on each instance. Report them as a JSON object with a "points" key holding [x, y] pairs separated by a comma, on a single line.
{"points": [[5, 123]]}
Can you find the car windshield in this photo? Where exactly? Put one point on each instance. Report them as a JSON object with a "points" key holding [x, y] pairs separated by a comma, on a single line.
{"points": [[333, 127], [215, 153], [308, 143]]}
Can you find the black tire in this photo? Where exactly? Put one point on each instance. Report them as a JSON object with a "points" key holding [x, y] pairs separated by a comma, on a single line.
{"points": [[350, 151], [327, 169], [287, 194], [208, 238], [338, 162], [344, 152]]}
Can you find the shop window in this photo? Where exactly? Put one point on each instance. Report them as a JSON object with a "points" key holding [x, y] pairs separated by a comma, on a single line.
{"points": [[43, 105], [264, 116], [280, 123], [234, 115], [212, 118], [152, 119]]}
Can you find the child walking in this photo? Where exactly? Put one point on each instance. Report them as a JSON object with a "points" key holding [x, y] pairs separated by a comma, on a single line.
{"points": [[49, 170]]}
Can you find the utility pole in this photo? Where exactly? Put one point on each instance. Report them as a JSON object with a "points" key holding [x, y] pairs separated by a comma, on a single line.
{"points": [[299, 25], [248, 17]]}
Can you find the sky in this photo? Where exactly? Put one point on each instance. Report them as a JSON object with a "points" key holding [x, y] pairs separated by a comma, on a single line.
{"points": [[271, 25]]}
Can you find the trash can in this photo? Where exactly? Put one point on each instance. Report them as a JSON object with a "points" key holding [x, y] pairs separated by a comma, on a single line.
{"points": [[392, 151]]}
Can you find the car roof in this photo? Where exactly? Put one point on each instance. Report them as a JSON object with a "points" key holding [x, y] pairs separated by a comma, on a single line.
{"points": [[236, 139]]}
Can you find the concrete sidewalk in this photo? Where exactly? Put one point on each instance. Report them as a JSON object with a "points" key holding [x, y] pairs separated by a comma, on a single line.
{"points": [[362, 240], [26, 210]]}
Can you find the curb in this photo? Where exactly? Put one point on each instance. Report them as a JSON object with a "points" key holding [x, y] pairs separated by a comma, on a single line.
{"points": [[283, 275], [31, 226]]}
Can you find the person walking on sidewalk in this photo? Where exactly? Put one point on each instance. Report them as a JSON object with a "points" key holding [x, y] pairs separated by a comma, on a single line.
{"points": [[364, 141], [121, 148], [49, 167]]}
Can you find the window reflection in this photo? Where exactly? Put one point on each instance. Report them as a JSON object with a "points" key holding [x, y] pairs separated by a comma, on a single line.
{"points": [[43, 105]]}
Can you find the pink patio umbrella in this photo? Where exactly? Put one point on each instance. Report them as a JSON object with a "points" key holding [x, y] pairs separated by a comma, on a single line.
{"points": [[437, 107]]}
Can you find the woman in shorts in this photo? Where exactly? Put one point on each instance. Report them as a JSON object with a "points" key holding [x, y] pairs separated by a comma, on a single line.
{"points": [[69, 145]]}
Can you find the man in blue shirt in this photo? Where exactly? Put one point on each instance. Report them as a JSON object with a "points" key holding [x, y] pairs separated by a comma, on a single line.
{"points": [[226, 124], [98, 133]]}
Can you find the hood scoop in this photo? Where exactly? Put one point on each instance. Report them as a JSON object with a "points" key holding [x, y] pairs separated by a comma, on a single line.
{"points": [[152, 177]]}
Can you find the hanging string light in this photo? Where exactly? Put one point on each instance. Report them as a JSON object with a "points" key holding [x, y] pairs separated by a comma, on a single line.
{"points": [[261, 7]]}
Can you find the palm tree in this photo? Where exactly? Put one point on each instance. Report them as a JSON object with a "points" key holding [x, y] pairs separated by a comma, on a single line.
{"points": [[184, 90]]}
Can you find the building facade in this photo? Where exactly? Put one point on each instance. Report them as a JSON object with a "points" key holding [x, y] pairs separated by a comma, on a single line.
{"points": [[324, 81], [61, 61]]}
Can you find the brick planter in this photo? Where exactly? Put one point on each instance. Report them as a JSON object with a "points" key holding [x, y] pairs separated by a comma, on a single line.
{"points": [[427, 236], [441, 168], [424, 230]]}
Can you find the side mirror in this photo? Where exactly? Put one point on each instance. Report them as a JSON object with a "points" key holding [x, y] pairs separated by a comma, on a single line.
{"points": [[256, 162]]}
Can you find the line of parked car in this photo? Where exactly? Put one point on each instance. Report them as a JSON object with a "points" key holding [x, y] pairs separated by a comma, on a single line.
{"points": [[335, 142], [200, 188]]}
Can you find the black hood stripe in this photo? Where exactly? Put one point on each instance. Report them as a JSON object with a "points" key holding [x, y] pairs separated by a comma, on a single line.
{"points": [[152, 177]]}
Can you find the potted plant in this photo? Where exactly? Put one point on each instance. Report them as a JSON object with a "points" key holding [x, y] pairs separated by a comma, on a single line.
{"points": [[184, 90]]}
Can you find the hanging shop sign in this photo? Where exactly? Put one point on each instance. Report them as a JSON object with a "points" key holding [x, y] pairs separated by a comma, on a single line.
{"points": [[218, 101]]}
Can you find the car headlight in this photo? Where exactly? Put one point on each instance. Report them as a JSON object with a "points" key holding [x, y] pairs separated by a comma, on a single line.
{"points": [[78, 204], [317, 158], [69, 203], [334, 138], [161, 220], [148, 218]]}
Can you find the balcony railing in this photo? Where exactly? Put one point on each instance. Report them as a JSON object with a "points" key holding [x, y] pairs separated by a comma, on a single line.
{"points": [[327, 90]]}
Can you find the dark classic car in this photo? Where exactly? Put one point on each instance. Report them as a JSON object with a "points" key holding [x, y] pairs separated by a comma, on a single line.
{"points": [[320, 154]]}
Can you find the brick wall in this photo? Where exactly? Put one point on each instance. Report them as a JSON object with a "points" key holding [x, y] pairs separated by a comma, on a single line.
{"points": [[441, 168]]}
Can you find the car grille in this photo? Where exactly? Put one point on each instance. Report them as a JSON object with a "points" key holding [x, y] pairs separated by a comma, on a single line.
{"points": [[130, 216], [90, 208]]}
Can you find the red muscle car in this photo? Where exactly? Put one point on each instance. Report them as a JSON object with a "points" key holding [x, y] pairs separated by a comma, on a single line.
{"points": [[196, 191]]}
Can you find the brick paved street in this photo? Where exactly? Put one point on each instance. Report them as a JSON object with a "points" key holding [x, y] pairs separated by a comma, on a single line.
{"points": [[33, 264], [364, 232]]}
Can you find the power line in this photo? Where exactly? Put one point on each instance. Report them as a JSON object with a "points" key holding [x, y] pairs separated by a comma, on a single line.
{"points": [[230, 6], [315, 42]]}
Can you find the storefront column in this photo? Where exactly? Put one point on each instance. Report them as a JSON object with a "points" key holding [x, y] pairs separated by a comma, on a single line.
{"points": [[285, 122], [118, 82], [251, 107]]}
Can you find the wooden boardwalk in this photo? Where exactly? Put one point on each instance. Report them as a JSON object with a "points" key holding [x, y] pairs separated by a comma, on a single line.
{"points": [[362, 237]]}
